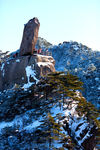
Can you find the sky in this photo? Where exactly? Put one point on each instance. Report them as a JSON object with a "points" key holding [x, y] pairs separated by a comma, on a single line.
{"points": [[60, 20]]}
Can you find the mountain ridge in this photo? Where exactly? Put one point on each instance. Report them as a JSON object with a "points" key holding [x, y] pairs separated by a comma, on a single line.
{"points": [[80, 60]]}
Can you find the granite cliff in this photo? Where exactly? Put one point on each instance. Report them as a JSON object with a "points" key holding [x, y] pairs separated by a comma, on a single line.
{"points": [[24, 70]]}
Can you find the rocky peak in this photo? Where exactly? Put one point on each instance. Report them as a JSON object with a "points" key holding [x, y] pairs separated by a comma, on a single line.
{"points": [[30, 36], [23, 67]]}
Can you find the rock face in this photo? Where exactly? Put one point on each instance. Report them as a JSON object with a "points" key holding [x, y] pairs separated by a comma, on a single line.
{"points": [[30, 36], [24, 70]]}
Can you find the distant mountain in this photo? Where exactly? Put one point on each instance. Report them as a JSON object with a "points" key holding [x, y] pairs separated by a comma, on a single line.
{"points": [[83, 62], [42, 43]]}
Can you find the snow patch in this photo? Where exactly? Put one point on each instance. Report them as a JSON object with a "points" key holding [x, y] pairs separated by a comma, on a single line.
{"points": [[27, 85], [96, 79], [2, 69], [30, 72], [85, 137], [44, 56], [8, 62], [44, 64], [22, 78], [32, 125], [19, 121], [81, 128], [99, 88], [17, 60]]}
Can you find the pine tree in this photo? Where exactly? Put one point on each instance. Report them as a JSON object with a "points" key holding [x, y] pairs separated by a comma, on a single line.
{"points": [[51, 131], [91, 113], [61, 84], [57, 87]]}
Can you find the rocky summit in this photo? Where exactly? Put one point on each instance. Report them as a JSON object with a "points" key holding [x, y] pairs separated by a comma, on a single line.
{"points": [[41, 101]]}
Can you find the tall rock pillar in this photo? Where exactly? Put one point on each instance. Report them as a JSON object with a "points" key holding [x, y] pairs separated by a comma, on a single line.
{"points": [[30, 36]]}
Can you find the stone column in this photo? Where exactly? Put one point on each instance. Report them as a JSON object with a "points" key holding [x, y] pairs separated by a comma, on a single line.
{"points": [[30, 36]]}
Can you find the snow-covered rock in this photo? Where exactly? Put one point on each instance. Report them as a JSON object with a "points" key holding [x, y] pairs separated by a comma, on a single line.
{"points": [[42, 43], [21, 115], [83, 62], [25, 70]]}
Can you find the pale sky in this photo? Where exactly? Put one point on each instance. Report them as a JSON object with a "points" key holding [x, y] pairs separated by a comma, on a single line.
{"points": [[60, 20]]}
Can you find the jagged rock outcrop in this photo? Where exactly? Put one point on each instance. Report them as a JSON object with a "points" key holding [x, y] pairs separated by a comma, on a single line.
{"points": [[30, 36], [25, 70]]}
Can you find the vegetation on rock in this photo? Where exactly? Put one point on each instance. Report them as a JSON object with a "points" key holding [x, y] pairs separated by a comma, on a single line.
{"points": [[56, 90]]}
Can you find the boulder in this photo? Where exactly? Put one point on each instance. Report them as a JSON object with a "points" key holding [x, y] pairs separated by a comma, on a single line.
{"points": [[30, 37], [25, 70]]}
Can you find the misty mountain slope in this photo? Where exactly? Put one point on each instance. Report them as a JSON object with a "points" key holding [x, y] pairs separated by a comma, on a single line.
{"points": [[83, 62]]}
